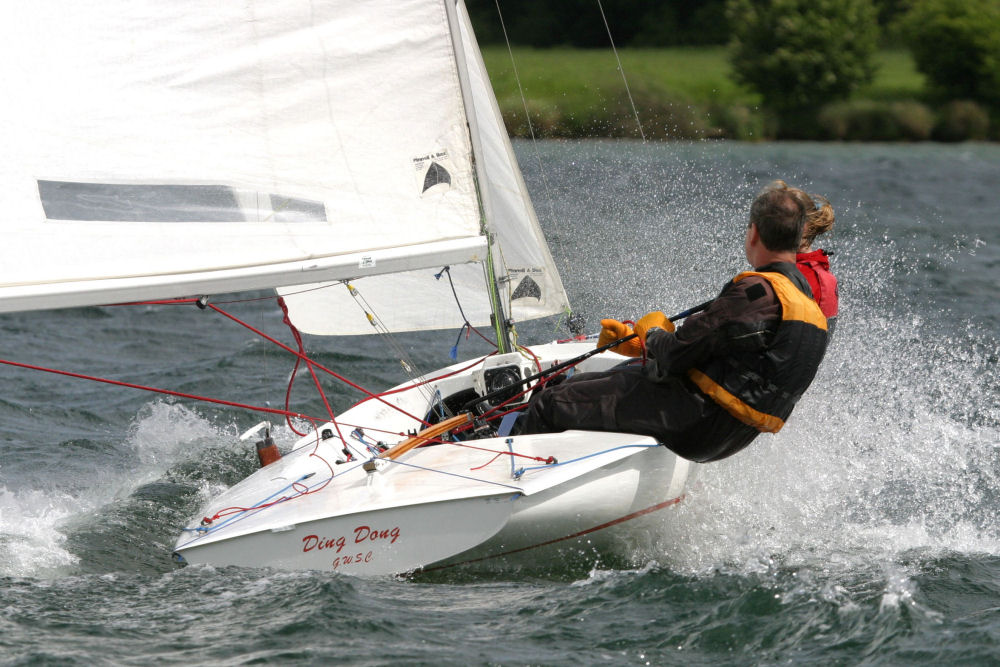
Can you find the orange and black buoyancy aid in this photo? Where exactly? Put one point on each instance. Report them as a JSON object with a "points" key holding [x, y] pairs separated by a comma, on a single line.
{"points": [[760, 387]]}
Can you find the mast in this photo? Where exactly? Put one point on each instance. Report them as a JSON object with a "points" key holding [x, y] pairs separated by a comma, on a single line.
{"points": [[499, 318]]}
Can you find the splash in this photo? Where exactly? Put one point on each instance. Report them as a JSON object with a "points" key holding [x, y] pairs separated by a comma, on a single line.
{"points": [[895, 449], [29, 544], [40, 529]]}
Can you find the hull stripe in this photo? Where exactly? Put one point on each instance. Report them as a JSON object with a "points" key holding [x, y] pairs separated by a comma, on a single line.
{"points": [[608, 524]]}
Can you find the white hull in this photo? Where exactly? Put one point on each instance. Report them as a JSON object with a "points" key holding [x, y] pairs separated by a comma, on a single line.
{"points": [[437, 505]]}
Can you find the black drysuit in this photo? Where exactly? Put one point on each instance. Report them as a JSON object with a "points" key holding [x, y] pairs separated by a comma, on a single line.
{"points": [[660, 399]]}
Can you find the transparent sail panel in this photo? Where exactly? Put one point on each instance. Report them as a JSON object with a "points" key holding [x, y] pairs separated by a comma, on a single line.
{"points": [[116, 202]]}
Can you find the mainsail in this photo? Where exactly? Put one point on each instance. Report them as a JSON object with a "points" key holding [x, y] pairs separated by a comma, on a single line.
{"points": [[530, 283], [158, 149]]}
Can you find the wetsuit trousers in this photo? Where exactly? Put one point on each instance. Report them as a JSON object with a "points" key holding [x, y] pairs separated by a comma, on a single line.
{"points": [[675, 412]]}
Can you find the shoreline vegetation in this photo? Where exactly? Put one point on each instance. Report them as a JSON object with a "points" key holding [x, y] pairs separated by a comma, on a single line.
{"points": [[688, 93]]}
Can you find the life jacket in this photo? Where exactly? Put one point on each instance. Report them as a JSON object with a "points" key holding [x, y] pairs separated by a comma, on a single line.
{"points": [[759, 387], [816, 268]]}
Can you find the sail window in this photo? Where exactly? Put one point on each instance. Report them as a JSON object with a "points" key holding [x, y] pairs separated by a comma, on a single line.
{"points": [[118, 202]]}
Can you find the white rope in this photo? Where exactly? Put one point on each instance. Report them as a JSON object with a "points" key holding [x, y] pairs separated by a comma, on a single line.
{"points": [[622, 70], [405, 360], [531, 128]]}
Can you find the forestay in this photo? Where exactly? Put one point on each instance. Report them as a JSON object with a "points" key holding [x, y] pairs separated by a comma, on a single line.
{"points": [[156, 149], [529, 282]]}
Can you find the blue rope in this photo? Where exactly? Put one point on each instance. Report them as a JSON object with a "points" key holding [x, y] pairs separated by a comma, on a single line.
{"points": [[510, 446], [253, 508], [370, 444]]}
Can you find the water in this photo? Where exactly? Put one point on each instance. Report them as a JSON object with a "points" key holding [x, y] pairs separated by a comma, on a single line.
{"points": [[865, 532]]}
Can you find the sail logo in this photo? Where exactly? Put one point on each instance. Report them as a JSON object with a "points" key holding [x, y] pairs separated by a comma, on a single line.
{"points": [[526, 286], [433, 172]]}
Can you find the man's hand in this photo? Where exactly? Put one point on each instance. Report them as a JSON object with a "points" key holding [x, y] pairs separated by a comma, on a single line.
{"points": [[654, 320], [612, 330]]}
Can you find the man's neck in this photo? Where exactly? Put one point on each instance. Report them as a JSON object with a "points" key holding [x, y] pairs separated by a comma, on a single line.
{"points": [[773, 257]]}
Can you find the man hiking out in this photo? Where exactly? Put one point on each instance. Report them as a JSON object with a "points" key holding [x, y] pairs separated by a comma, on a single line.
{"points": [[732, 371]]}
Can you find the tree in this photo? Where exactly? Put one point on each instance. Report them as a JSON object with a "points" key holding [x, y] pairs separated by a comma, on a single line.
{"points": [[956, 44], [802, 54], [578, 23]]}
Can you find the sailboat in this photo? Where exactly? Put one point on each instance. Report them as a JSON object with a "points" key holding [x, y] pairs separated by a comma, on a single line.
{"points": [[351, 156]]}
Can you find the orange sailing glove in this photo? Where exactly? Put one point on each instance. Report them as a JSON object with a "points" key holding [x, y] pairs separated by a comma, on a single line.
{"points": [[612, 330], [653, 320]]}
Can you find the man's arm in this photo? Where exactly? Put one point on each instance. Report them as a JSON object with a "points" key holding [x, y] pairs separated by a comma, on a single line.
{"points": [[740, 306]]}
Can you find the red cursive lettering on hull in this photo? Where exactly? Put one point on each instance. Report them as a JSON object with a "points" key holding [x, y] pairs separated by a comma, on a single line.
{"points": [[363, 533], [356, 559], [310, 542]]}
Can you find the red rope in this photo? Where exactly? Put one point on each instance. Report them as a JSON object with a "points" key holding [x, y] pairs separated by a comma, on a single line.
{"points": [[302, 490], [300, 355], [157, 390], [314, 363]]}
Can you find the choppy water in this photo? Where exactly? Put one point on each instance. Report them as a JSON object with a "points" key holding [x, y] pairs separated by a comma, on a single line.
{"points": [[865, 532]]}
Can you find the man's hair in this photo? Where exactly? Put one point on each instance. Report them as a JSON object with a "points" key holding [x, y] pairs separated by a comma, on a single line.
{"points": [[780, 213]]}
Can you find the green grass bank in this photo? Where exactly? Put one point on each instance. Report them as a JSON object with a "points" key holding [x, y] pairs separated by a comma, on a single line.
{"points": [[688, 93]]}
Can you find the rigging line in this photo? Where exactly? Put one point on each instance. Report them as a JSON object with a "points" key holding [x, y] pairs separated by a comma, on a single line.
{"points": [[398, 390], [447, 271], [454, 474], [288, 398], [520, 472], [440, 441], [297, 486], [312, 371], [353, 385], [156, 390], [405, 360], [235, 513], [531, 128], [458, 302], [511, 453], [239, 513], [276, 296], [622, 70], [209, 521], [379, 325], [510, 305]]}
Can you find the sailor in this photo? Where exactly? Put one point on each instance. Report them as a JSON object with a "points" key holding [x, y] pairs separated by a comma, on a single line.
{"points": [[728, 373]]}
